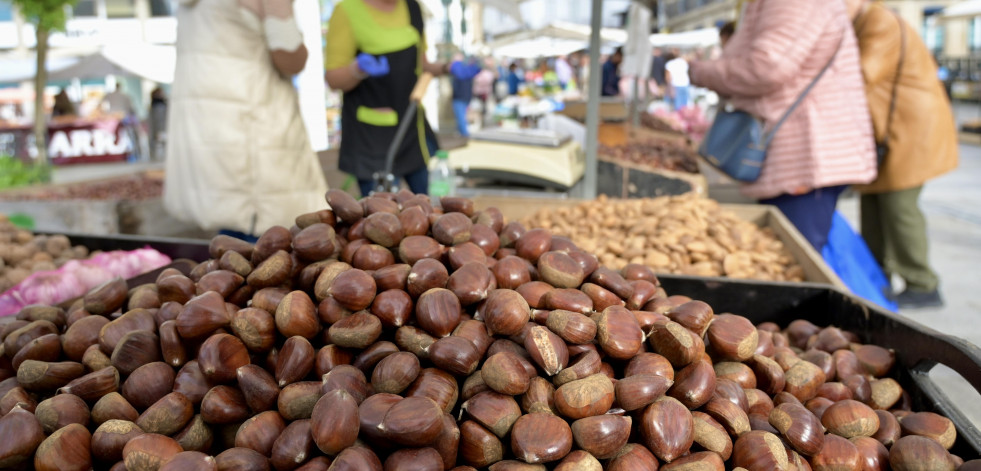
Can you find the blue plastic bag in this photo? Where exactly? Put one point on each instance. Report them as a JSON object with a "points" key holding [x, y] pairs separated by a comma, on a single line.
{"points": [[847, 254]]}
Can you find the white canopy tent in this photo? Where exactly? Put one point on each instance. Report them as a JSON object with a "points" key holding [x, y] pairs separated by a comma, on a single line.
{"points": [[560, 38], [557, 39], [695, 38], [964, 9], [539, 47], [151, 62]]}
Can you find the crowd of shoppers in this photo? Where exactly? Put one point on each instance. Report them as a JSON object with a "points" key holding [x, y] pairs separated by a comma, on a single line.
{"points": [[878, 120]]}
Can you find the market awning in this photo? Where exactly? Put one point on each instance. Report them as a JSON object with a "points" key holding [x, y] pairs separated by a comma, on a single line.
{"points": [[965, 9], [695, 38], [539, 47], [557, 39], [151, 62]]}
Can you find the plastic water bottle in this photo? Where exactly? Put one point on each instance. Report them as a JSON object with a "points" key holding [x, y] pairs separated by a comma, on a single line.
{"points": [[442, 178]]}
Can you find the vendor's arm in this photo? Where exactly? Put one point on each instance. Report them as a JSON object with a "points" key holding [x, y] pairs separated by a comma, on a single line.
{"points": [[340, 55], [435, 68], [283, 37], [785, 36]]}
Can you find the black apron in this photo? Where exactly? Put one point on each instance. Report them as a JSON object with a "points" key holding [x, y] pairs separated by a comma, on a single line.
{"points": [[364, 144]]}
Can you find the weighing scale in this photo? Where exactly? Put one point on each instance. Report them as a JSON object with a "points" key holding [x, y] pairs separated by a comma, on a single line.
{"points": [[532, 157]]}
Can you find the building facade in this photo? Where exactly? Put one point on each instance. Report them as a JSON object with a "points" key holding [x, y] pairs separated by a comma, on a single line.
{"points": [[95, 23]]}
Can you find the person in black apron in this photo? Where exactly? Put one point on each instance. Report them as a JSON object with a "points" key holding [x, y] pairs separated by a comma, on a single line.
{"points": [[389, 57]]}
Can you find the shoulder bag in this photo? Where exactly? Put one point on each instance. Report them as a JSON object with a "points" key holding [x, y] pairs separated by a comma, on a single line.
{"points": [[737, 142]]}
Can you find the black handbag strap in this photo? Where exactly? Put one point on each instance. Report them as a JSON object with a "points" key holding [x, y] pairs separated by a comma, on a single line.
{"points": [[769, 136], [895, 80]]}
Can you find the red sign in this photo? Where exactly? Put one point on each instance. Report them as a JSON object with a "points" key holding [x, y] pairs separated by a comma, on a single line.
{"points": [[88, 142], [76, 142]]}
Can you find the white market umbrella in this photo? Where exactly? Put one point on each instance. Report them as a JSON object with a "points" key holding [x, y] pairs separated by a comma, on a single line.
{"points": [[539, 47], [696, 38]]}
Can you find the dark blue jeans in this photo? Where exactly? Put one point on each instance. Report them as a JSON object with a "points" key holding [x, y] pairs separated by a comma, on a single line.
{"points": [[810, 212], [418, 182]]}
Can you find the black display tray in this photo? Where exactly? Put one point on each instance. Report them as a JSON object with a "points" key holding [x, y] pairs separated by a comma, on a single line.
{"points": [[173, 247], [918, 348]]}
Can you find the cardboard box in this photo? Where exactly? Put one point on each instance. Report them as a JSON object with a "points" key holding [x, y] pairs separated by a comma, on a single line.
{"points": [[815, 269]]}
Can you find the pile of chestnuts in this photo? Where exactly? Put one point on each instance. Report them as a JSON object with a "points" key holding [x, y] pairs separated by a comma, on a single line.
{"points": [[394, 334]]}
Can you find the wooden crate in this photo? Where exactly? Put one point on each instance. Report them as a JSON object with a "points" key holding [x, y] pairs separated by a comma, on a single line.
{"points": [[97, 216], [814, 266], [609, 110]]}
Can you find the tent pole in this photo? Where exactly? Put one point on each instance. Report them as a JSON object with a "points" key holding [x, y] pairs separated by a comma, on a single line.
{"points": [[635, 104], [593, 102]]}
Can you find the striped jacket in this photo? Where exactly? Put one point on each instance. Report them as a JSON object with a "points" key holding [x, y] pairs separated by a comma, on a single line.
{"points": [[778, 49]]}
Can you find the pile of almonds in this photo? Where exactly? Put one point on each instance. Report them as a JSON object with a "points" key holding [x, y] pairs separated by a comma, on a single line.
{"points": [[23, 253], [389, 334], [686, 234]]}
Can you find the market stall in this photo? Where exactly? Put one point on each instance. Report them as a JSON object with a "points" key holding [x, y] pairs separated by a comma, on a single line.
{"points": [[385, 354], [649, 328], [129, 204]]}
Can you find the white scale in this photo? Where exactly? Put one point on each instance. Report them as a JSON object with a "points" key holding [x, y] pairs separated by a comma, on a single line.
{"points": [[532, 157]]}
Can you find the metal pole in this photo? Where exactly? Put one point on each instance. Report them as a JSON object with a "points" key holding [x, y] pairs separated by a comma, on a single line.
{"points": [[635, 104], [662, 19], [593, 101]]}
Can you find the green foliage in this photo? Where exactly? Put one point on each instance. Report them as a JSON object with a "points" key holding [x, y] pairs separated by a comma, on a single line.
{"points": [[14, 173], [48, 14]]}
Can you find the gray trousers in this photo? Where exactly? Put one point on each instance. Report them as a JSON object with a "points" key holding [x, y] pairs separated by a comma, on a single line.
{"points": [[895, 230]]}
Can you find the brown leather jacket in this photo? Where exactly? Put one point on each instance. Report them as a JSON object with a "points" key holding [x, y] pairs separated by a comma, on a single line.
{"points": [[922, 136]]}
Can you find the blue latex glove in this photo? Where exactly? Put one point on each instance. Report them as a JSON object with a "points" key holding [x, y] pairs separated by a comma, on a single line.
{"points": [[373, 66]]}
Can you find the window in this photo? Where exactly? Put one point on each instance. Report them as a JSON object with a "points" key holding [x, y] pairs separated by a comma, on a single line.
{"points": [[6, 11], [84, 8], [162, 8], [120, 8], [933, 34], [974, 35]]}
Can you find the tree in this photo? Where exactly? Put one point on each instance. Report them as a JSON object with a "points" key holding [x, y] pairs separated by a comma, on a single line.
{"points": [[47, 16]]}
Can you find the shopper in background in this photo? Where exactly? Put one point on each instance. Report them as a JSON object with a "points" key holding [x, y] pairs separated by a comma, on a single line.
{"points": [[676, 73], [913, 121], [483, 89], [826, 143], [611, 74], [377, 73], [943, 74], [63, 105], [118, 102], [658, 62], [157, 123], [515, 78], [463, 73], [238, 156], [564, 73], [726, 32]]}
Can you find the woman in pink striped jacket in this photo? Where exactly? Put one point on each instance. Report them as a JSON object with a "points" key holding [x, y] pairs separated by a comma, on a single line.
{"points": [[826, 144]]}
